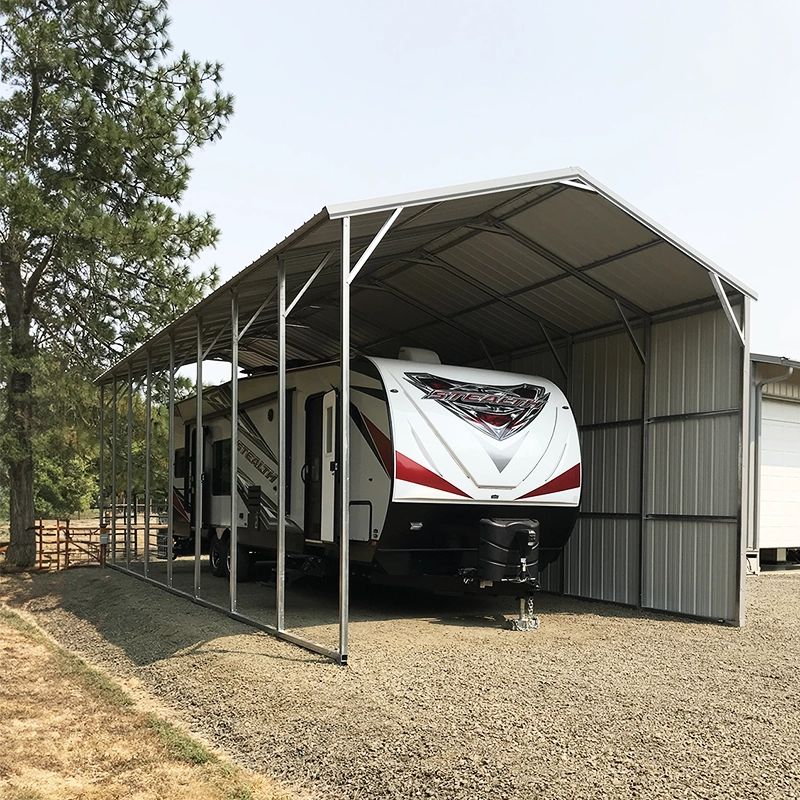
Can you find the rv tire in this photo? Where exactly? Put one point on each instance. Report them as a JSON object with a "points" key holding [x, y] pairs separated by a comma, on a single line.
{"points": [[218, 555]]}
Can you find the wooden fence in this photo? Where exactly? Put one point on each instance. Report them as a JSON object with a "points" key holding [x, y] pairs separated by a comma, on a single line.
{"points": [[62, 544]]}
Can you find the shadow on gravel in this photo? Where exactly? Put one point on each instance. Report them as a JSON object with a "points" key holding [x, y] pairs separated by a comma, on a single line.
{"points": [[150, 624]]}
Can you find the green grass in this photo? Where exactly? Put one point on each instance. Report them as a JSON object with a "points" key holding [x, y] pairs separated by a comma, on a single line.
{"points": [[97, 683], [179, 745], [68, 663]]}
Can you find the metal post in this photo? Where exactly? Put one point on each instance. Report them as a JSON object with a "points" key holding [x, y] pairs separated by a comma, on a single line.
{"points": [[198, 460], [234, 537], [115, 400], [101, 465], [171, 462], [344, 446], [129, 492], [644, 456], [280, 582], [147, 443]]}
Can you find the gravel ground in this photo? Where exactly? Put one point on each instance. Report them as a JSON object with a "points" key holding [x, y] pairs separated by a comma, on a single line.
{"points": [[439, 701]]}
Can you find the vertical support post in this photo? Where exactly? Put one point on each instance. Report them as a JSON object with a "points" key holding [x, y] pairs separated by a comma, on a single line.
{"points": [[744, 461], [129, 492], [280, 582], [198, 460], [569, 386], [234, 537], [644, 455], [115, 401], [344, 445], [101, 464], [147, 443], [171, 461]]}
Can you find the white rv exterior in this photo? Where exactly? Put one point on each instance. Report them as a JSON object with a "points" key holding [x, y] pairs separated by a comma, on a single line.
{"points": [[434, 450]]}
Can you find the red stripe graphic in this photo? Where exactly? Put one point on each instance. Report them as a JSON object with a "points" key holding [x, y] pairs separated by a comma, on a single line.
{"points": [[382, 444], [408, 470], [571, 479], [177, 503]]}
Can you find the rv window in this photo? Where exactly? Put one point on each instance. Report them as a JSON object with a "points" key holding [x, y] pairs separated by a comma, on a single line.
{"points": [[329, 430], [221, 468], [180, 463]]}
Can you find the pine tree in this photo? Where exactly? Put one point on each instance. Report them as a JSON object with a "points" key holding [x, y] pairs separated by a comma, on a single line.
{"points": [[97, 126]]}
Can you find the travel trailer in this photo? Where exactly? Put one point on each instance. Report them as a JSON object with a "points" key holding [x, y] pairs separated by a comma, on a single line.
{"points": [[460, 479]]}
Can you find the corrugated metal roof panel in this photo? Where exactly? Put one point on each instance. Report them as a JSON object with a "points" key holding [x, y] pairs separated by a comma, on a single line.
{"points": [[502, 327], [500, 262], [577, 225], [657, 278], [443, 291], [570, 305], [580, 227]]}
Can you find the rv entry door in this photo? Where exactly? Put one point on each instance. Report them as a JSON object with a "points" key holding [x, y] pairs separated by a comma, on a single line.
{"points": [[328, 465]]}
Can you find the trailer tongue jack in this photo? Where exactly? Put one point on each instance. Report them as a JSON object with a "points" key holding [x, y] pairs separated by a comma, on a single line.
{"points": [[527, 621]]}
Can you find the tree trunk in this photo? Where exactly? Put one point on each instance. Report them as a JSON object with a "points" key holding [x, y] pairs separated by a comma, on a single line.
{"points": [[17, 434], [22, 546]]}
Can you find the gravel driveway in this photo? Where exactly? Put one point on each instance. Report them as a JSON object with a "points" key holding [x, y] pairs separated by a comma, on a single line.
{"points": [[439, 701]]}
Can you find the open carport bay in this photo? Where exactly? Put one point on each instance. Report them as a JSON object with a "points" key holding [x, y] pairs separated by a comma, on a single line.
{"points": [[439, 701], [550, 275]]}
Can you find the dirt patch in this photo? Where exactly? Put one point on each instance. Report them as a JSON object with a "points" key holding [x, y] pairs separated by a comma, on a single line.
{"points": [[439, 701], [68, 731]]}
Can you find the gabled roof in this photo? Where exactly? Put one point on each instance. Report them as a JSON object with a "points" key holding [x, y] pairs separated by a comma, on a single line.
{"points": [[492, 267]]}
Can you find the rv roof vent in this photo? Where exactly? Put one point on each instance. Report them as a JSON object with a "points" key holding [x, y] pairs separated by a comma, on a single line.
{"points": [[419, 355]]}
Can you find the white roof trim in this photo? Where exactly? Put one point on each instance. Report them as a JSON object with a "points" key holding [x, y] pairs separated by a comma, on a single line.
{"points": [[451, 193], [570, 176]]}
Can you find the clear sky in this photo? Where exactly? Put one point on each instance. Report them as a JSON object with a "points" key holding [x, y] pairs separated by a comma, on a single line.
{"points": [[688, 110]]}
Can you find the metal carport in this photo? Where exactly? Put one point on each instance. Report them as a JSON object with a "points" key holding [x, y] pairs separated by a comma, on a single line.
{"points": [[548, 274]]}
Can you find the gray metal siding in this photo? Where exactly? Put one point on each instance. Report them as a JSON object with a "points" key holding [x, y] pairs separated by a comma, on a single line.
{"points": [[611, 459], [607, 380], [689, 564], [550, 577], [690, 567], [695, 365], [602, 560], [542, 363], [694, 466]]}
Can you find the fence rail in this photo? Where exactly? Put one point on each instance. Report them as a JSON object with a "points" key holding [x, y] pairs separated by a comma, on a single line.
{"points": [[62, 544]]}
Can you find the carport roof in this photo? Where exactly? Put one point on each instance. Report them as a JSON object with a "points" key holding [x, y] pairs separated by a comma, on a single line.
{"points": [[482, 268]]}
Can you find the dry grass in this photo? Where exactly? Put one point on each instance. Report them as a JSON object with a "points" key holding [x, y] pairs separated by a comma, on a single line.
{"points": [[68, 731]]}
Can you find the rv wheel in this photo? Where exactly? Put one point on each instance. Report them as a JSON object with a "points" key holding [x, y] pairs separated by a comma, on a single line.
{"points": [[218, 555]]}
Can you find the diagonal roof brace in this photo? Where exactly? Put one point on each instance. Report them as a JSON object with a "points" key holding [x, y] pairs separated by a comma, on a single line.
{"points": [[374, 244], [727, 308], [577, 183], [634, 341], [438, 261], [543, 252]]}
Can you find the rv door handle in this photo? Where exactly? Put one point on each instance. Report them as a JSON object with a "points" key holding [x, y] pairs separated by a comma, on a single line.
{"points": [[304, 473], [334, 466]]}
